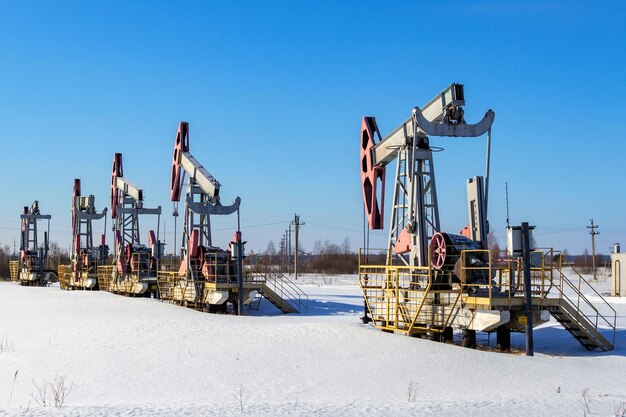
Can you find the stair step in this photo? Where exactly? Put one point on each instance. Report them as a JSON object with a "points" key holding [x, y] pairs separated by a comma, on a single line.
{"points": [[279, 302], [579, 328]]}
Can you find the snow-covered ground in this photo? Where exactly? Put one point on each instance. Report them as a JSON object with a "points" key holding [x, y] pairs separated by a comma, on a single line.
{"points": [[128, 356]]}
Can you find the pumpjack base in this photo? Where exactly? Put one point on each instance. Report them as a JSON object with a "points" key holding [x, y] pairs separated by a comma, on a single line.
{"points": [[411, 301]]}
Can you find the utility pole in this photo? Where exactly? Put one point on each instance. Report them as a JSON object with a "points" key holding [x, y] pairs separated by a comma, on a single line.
{"points": [[289, 249], [285, 252], [282, 252], [593, 234], [296, 222]]}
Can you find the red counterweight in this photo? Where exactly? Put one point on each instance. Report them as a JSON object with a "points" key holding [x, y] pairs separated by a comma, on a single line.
{"points": [[372, 176]]}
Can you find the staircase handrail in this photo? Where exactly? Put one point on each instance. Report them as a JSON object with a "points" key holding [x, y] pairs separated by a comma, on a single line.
{"points": [[580, 296], [287, 290]]}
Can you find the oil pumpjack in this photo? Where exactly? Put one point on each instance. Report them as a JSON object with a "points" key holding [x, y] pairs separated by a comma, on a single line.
{"points": [[208, 277], [433, 282], [85, 256], [136, 264], [32, 267]]}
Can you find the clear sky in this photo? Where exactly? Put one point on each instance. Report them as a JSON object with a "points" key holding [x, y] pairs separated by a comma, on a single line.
{"points": [[274, 93]]}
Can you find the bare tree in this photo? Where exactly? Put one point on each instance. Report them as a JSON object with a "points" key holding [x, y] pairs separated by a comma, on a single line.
{"points": [[345, 246], [317, 247], [270, 252], [270, 249], [57, 255], [583, 262], [334, 259], [4, 261], [41, 393], [60, 390], [240, 394], [412, 392], [493, 245]]}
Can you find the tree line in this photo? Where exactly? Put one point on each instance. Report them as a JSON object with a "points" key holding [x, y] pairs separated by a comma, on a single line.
{"points": [[326, 258]]}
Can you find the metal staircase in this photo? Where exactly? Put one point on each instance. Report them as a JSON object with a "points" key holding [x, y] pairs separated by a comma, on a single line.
{"points": [[280, 291], [278, 302], [579, 327], [580, 317]]}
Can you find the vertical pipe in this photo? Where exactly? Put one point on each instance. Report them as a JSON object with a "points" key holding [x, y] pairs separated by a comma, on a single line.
{"points": [[365, 318], [528, 302], [411, 191], [184, 242], [114, 221], [239, 268], [175, 215], [487, 176], [394, 230], [158, 226], [46, 239], [44, 252]]}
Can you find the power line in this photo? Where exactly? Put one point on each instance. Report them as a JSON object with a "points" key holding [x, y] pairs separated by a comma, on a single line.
{"points": [[578, 222], [253, 218], [332, 220], [335, 228], [251, 226]]}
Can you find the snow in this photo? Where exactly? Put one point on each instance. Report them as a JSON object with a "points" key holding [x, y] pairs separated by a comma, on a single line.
{"points": [[137, 356]]}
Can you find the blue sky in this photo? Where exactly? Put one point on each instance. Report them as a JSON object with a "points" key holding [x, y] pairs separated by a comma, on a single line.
{"points": [[274, 93]]}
